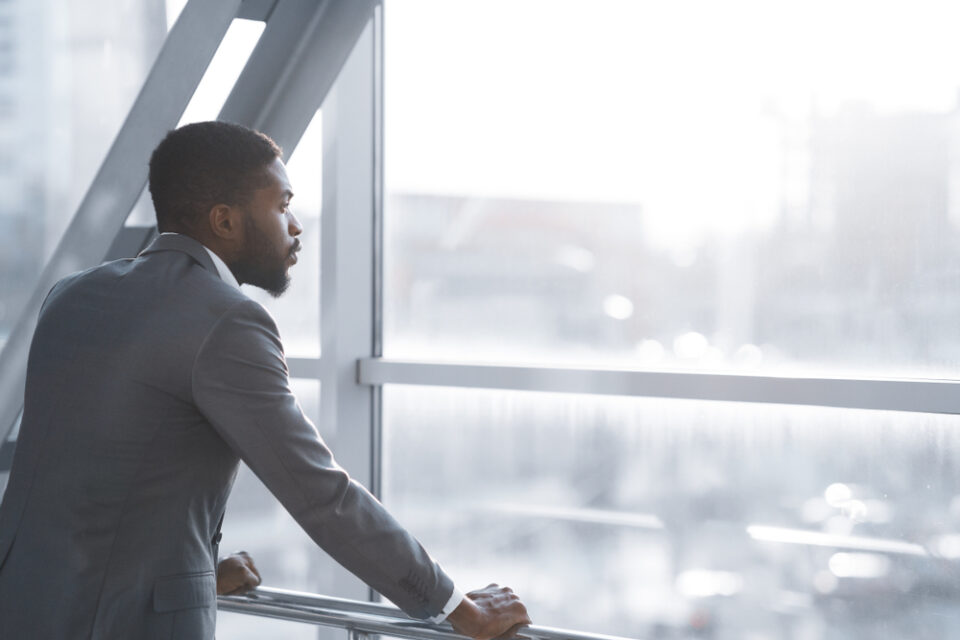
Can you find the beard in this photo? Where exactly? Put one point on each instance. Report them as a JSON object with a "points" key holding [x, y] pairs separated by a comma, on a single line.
{"points": [[262, 264]]}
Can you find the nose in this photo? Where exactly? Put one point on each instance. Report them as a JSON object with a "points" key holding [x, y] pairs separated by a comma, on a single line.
{"points": [[294, 227]]}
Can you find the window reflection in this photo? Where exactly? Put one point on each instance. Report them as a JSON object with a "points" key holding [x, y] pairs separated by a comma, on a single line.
{"points": [[736, 186], [685, 519]]}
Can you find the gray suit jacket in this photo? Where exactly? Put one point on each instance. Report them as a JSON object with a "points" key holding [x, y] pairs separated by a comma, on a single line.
{"points": [[148, 380]]}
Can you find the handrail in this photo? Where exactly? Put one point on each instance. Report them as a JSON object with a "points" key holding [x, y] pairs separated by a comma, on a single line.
{"points": [[362, 618]]}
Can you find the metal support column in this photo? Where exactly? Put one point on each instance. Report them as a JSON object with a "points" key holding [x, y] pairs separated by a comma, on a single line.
{"points": [[348, 258]]}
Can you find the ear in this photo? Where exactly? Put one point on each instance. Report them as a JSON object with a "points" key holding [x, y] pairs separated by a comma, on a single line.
{"points": [[225, 221]]}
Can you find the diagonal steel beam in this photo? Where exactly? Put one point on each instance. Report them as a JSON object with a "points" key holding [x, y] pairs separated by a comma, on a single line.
{"points": [[314, 69], [294, 65], [289, 24], [187, 51]]}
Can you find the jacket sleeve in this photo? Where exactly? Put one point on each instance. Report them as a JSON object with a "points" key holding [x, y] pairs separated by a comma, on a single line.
{"points": [[241, 386]]}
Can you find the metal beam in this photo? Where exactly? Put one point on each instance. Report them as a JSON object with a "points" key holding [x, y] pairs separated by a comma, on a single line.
{"points": [[347, 279], [294, 65], [180, 65], [922, 396], [259, 10], [290, 23]]}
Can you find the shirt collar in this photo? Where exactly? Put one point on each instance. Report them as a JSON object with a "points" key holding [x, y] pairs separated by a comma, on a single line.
{"points": [[222, 269]]}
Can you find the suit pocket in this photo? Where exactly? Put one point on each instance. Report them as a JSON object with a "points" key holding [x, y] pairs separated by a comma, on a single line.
{"points": [[185, 591], [185, 607]]}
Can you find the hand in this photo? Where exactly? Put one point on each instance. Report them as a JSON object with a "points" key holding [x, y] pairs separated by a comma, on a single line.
{"points": [[236, 574], [491, 612]]}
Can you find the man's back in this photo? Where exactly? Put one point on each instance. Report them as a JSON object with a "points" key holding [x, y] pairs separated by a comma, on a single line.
{"points": [[112, 441], [147, 380]]}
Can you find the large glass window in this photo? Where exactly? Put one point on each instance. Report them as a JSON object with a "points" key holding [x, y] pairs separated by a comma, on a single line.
{"points": [[738, 187], [741, 185], [682, 519]]}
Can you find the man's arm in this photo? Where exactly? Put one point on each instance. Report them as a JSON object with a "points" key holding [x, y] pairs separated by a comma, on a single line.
{"points": [[240, 384]]}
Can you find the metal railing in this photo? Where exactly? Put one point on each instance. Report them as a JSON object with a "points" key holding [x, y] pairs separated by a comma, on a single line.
{"points": [[361, 619]]}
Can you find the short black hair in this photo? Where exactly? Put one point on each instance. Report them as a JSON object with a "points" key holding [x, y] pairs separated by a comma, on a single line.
{"points": [[204, 164]]}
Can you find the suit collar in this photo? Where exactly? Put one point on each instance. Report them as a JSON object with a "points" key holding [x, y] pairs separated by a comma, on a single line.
{"points": [[185, 244]]}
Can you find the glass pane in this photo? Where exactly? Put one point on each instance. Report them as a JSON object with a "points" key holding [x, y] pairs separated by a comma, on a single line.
{"points": [[298, 311], [69, 73], [222, 73], [737, 185], [683, 519], [286, 556]]}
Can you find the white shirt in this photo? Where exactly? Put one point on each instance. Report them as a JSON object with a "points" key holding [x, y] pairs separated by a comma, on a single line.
{"points": [[227, 276], [455, 599]]}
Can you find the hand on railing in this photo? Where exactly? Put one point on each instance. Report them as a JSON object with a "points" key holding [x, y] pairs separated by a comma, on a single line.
{"points": [[491, 612], [236, 574], [380, 619]]}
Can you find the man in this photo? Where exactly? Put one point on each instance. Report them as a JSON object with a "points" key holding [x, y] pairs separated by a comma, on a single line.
{"points": [[148, 379]]}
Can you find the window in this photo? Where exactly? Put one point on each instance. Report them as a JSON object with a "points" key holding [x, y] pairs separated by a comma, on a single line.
{"points": [[684, 517], [673, 185], [735, 188]]}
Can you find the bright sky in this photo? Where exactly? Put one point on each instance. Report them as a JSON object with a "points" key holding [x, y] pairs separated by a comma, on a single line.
{"points": [[666, 104], [659, 103], [174, 7]]}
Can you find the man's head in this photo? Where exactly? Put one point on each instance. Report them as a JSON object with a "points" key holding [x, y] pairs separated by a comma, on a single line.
{"points": [[226, 186]]}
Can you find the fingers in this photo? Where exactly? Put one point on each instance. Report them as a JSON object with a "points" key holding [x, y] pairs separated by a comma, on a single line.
{"points": [[251, 580], [237, 574], [501, 613], [240, 581], [479, 593], [248, 561]]}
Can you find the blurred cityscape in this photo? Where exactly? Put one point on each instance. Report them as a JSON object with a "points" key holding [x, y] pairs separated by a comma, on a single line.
{"points": [[857, 271], [665, 519], [658, 519], [69, 73]]}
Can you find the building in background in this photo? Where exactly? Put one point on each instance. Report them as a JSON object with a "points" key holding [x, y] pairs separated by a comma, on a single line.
{"points": [[69, 73]]}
